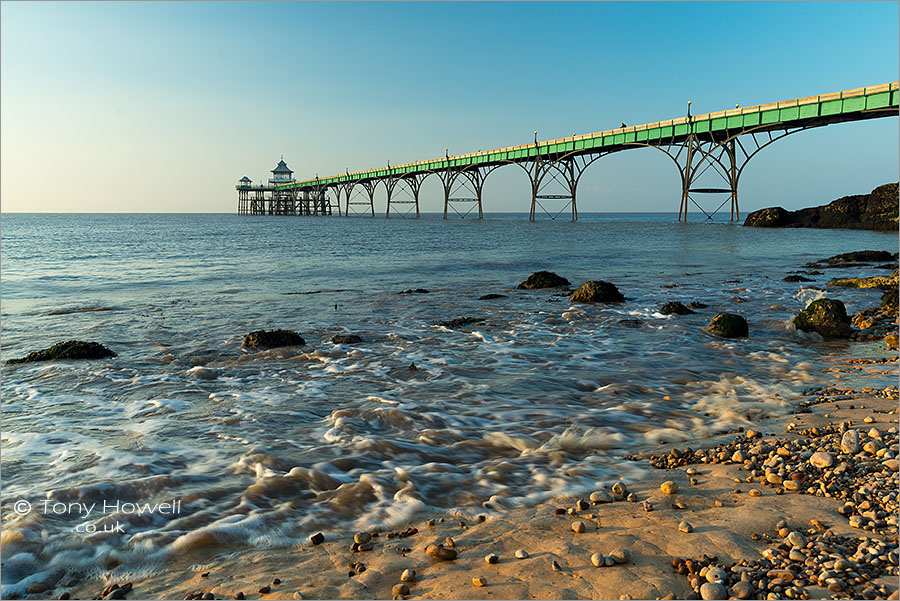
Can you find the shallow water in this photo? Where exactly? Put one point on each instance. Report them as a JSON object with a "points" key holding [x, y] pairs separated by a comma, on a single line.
{"points": [[261, 449]]}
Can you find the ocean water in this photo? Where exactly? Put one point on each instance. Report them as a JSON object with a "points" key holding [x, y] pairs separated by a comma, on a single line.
{"points": [[261, 449]]}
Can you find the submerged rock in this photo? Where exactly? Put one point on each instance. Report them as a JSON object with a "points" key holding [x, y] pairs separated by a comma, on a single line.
{"points": [[543, 279], [859, 256], [72, 349], [796, 278], [874, 211], [346, 339], [595, 291], [415, 291], [674, 308], [460, 321], [728, 325], [826, 316], [491, 296], [272, 339]]}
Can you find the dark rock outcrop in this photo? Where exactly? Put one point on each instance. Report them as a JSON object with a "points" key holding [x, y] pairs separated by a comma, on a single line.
{"points": [[796, 278], [491, 296], [415, 291], [697, 305], [346, 339], [874, 211], [595, 291], [674, 308], [460, 321], [859, 256], [543, 279], [889, 300], [728, 325], [826, 316], [72, 349], [272, 339]]}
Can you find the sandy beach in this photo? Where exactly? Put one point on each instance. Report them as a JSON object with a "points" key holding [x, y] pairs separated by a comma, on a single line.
{"points": [[733, 516]]}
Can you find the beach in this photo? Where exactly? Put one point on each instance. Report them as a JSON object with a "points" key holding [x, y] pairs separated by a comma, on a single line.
{"points": [[463, 399]]}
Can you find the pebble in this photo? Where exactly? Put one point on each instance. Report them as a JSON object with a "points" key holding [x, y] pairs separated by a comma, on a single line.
{"points": [[796, 539], [449, 542], [317, 539], [850, 442], [521, 554], [620, 556], [440, 552], [719, 503], [742, 589], [620, 488], [581, 505], [600, 497], [297, 595], [668, 487], [479, 581], [491, 558], [265, 590], [691, 471], [685, 527], [713, 590], [239, 596], [408, 576], [869, 419], [821, 459], [754, 492], [400, 589], [362, 537], [578, 527], [555, 566], [597, 560], [791, 485]]}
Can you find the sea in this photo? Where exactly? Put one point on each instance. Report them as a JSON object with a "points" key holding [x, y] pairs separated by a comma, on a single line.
{"points": [[186, 443]]}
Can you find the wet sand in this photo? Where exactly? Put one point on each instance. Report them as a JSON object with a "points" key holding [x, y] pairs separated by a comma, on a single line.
{"points": [[653, 538]]}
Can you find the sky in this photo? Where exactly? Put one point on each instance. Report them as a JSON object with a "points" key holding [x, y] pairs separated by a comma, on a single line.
{"points": [[163, 106]]}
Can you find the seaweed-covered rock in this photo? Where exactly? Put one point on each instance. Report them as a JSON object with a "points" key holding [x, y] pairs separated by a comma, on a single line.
{"points": [[595, 291], [272, 339], [796, 278], [72, 349], [674, 308], [543, 279], [879, 281], [889, 300], [826, 316], [346, 339], [874, 211], [728, 325], [860, 256]]}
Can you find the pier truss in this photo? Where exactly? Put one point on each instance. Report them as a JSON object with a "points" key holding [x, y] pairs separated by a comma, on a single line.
{"points": [[710, 152]]}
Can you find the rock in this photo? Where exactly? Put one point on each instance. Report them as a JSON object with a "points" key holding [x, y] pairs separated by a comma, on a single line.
{"points": [[620, 556], [440, 552], [713, 590], [578, 527], [880, 281], [668, 487], [859, 256], [598, 560], [272, 339], [581, 505], [826, 316], [265, 590], [773, 478], [874, 211], [795, 539], [674, 308], [479, 581], [554, 565], [204, 373], [37, 587], [460, 321], [821, 460], [742, 590], [797, 555], [297, 595], [595, 291], [317, 539], [491, 296], [600, 497], [728, 325], [543, 279], [715, 574], [345, 339], [685, 527], [620, 488], [363, 547], [630, 323], [889, 300], [850, 442], [415, 291], [791, 485], [73, 349], [400, 589], [754, 492], [521, 554], [491, 558], [891, 464], [785, 575], [408, 576], [796, 278], [697, 305], [873, 446], [362, 537]]}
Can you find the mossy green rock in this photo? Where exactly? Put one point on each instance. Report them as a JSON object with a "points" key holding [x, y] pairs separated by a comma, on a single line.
{"points": [[728, 325], [272, 339], [596, 291], [543, 279], [826, 316], [889, 299], [72, 349]]}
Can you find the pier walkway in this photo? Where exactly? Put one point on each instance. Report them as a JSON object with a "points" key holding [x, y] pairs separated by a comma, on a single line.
{"points": [[708, 145]]}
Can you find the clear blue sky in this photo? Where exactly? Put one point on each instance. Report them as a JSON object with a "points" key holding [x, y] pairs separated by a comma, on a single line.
{"points": [[159, 107]]}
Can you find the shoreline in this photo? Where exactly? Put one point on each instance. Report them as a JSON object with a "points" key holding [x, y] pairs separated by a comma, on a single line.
{"points": [[736, 531]]}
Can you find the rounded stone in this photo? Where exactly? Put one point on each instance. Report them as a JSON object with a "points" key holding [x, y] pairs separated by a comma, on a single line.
{"points": [[600, 497], [791, 485], [596, 291], [491, 558], [479, 581], [754, 492], [669, 487], [620, 556], [713, 590], [362, 537], [850, 442], [400, 589], [728, 325], [597, 560], [521, 554], [795, 539], [578, 527], [715, 574], [408, 576], [821, 460], [685, 527], [620, 488], [742, 590], [826, 316]]}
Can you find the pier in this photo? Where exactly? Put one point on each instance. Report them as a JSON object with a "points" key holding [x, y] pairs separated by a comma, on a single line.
{"points": [[713, 146]]}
